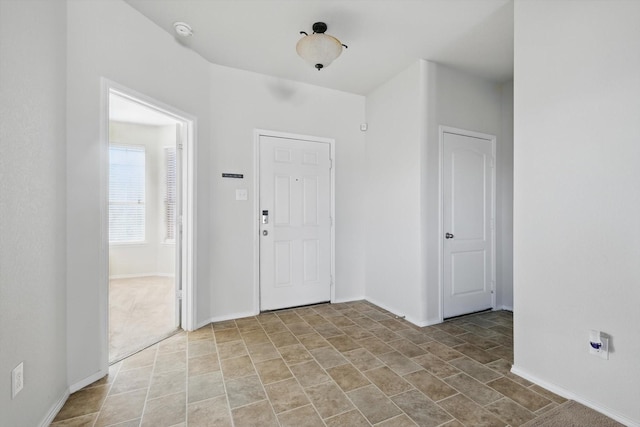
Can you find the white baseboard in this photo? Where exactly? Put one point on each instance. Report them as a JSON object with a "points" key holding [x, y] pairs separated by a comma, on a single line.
{"points": [[233, 316], [89, 380], [431, 322], [505, 307], [572, 396], [55, 409], [418, 322], [133, 276], [225, 317], [353, 299]]}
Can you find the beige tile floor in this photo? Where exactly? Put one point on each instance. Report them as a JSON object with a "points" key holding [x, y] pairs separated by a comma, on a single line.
{"points": [[141, 313], [350, 364]]}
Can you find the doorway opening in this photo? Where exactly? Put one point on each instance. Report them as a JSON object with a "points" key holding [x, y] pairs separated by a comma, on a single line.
{"points": [[149, 192]]}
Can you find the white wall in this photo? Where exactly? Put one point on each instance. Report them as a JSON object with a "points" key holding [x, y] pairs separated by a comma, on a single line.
{"points": [[32, 208], [404, 115], [460, 100], [394, 279], [153, 256], [504, 202], [110, 39], [577, 198], [242, 102]]}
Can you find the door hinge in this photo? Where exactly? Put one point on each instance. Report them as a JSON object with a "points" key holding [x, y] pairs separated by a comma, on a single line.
{"points": [[180, 146], [493, 162], [179, 294], [331, 221], [330, 163], [331, 279]]}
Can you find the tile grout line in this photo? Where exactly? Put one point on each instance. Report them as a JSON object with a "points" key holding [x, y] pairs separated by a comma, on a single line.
{"points": [[375, 385], [146, 397], [293, 375], [224, 383], [370, 383], [330, 379], [420, 391], [446, 338], [108, 391], [266, 397]]}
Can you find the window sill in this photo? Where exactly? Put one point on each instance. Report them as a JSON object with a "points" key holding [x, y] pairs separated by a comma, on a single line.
{"points": [[129, 244]]}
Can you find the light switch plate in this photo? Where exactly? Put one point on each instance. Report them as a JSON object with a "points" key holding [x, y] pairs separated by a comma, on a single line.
{"points": [[241, 194]]}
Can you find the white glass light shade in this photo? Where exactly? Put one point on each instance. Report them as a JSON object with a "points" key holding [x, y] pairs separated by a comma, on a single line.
{"points": [[319, 49]]}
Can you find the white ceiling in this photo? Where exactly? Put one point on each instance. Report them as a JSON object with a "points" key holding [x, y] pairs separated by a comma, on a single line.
{"points": [[384, 36]]}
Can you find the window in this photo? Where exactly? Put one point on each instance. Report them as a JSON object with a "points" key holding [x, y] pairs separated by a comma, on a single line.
{"points": [[126, 194], [170, 194]]}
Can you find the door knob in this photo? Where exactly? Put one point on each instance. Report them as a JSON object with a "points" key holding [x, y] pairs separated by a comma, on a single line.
{"points": [[265, 232], [448, 236]]}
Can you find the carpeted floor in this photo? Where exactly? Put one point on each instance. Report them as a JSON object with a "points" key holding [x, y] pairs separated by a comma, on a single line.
{"points": [[572, 414], [141, 313]]}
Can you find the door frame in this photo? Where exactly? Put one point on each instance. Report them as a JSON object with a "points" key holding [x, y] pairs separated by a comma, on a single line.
{"points": [[257, 133], [492, 138], [188, 247]]}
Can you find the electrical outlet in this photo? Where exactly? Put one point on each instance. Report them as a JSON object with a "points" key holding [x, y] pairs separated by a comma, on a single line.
{"points": [[599, 344], [17, 380]]}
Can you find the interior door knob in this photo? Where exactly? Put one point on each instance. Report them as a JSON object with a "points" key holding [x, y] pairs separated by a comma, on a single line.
{"points": [[448, 236]]}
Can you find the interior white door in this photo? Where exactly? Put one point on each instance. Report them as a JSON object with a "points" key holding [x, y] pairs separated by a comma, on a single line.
{"points": [[295, 222], [468, 271], [177, 218]]}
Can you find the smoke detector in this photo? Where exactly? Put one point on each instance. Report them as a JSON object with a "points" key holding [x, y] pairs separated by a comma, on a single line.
{"points": [[183, 29]]}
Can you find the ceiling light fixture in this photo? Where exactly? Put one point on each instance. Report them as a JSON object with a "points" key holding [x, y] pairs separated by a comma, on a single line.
{"points": [[183, 29], [319, 49]]}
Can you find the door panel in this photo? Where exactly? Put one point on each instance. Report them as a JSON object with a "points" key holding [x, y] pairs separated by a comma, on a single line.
{"points": [[468, 272], [295, 243], [282, 263], [310, 200], [282, 200], [177, 223], [311, 259], [467, 221], [469, 193]]}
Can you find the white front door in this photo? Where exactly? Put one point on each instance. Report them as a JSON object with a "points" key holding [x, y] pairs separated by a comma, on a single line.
{"points": [[468, 241], [295, 222]]}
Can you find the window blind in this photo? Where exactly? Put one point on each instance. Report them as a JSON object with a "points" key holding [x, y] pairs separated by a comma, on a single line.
{"points": [[126, 194], [170, 194]]}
